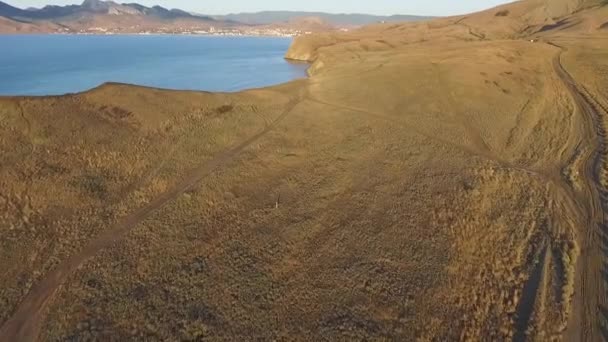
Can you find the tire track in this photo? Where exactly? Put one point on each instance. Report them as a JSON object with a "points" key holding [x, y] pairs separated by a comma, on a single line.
{"points": [[534, 289], [531, 293], [26, 322], [591, 296], [518, 120]]}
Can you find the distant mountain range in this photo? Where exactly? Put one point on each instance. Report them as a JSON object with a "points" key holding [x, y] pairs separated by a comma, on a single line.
{"points": [[271, 17], [97, 16], [94, 7]]}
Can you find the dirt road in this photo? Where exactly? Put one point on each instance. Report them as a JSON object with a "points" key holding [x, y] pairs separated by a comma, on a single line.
{"points": [[591, 295], [25, 323]]}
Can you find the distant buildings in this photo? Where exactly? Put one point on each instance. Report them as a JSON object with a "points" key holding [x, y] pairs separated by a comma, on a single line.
{"points": [[210, 31]]}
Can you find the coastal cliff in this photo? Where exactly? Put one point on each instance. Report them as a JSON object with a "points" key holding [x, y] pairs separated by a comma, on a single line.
{"points": [[305, 48]]}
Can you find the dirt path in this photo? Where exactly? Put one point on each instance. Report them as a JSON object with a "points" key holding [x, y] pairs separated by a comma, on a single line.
{"points": [[590, 297], [26, 322]]}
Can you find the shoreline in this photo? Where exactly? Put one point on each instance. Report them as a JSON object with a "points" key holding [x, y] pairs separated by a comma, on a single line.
{"points": [[145, 34], [299, 63]]}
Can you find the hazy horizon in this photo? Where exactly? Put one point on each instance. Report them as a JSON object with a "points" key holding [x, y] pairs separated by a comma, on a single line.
{"points": [[389, 7]]}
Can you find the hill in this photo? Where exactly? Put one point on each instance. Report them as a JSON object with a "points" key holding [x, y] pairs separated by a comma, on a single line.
{"points": [[90, 7], [338, 20], [13, 26], [522, 19], [304, 24]]}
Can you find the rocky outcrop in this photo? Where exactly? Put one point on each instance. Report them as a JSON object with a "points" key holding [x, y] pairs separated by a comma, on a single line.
{"points": [[108, 7], [305, 48]]}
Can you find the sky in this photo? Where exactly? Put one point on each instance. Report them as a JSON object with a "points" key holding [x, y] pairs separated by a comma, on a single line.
{"points": [[382, 7]]}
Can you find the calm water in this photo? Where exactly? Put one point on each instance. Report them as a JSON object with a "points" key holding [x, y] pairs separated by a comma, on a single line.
{"points": [[59, 64]]}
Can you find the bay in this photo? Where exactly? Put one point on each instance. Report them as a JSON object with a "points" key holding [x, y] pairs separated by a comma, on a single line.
{"points": [[59, 64]]}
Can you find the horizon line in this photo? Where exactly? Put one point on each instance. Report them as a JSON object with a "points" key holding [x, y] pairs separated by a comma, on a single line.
{"points": [[233, 12]]}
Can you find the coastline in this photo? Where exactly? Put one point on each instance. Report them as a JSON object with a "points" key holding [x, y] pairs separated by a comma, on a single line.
{"points": [[270, 57], [145, 34]]}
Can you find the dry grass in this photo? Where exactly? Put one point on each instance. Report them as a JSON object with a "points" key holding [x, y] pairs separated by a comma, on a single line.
{"points": [[425, 186]]}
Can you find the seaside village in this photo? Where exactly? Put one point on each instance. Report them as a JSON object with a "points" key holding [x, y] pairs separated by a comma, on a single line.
{"points": [[211, 31]]}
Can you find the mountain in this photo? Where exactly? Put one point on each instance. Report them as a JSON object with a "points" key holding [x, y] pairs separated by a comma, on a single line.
{"points": [[8, 11], [95, 7], [340, 20], [104, 16], [303, 24], [13, 26], [110, 16]]}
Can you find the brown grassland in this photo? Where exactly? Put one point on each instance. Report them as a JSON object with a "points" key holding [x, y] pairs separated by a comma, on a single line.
{"points": [[433, 181]]}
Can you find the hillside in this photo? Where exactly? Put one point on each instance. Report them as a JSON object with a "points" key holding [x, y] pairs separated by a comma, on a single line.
{"points": [[12, 26], [430, 181], [89, 7], [519, 20], [304, 24], [107, 16], [338, 20]]}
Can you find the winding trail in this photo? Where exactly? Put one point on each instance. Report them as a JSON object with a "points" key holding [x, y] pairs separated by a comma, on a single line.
{"points": [[26, 321], [590, 297]]}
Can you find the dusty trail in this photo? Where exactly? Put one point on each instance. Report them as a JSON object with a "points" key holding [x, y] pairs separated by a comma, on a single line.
{"points": [[531, 293], [25, 323], [591, 295]]}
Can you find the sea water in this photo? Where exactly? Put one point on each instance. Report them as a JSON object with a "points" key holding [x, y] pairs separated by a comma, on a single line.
{"points": [[59, 64]]}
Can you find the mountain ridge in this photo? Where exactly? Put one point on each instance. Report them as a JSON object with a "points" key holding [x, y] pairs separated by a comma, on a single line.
{"points": [[355, 19], [94, 7], [133, 17]]}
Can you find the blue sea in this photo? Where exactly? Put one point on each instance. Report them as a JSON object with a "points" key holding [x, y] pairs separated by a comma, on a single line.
{"points": [[59, 64]]}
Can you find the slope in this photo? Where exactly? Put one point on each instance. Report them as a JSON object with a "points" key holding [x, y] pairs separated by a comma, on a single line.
{"points": [[340, 20]]}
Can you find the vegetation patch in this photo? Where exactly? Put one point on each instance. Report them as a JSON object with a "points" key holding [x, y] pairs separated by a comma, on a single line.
{"points": [[94, 185], [116, 112], [224, 109]]}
